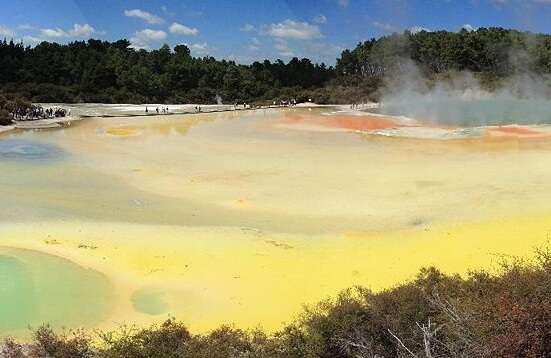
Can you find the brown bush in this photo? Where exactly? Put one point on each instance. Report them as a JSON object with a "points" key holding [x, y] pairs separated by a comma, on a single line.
{"points": [[167, 340], [74, 344], [5, 117], [11, 349]]}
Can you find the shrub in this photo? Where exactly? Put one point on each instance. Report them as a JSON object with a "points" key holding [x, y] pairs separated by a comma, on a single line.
{"points": [[75, 344], [5, 117], [11, 349], [165, 341]]}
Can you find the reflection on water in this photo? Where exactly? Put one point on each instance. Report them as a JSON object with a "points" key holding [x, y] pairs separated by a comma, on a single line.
{"points": [[37, 288]]}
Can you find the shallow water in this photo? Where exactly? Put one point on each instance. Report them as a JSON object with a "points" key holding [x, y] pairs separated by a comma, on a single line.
{"points": [[21, 150], [37, 288], [230, 217], [150, 301]]}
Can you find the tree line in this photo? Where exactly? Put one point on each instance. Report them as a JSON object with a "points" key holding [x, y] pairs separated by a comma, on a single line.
{"points": [[111, 72], [101, 71], [495, 53]]}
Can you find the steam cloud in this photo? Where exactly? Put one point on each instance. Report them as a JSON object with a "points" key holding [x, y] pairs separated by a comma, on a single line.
{"points": [[461, 99]]}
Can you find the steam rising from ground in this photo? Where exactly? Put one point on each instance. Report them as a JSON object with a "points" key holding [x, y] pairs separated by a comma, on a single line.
{"points": [[461, 99]]}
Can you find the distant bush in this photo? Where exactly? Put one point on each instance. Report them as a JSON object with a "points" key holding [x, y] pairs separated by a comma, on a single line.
{"points": [[5, 117], [435, 315]]}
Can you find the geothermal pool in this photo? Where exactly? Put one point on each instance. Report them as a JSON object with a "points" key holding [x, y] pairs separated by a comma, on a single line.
{"points": [[470, 112], [39, 288], [242, 217]]}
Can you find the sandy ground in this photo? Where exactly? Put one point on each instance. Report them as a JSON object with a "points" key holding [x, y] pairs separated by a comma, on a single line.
{"points": [[4, 129], [47, 123]]}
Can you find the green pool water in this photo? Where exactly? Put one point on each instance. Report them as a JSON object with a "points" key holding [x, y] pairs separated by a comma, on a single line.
{"points": [[36, 288], [150, 301]]}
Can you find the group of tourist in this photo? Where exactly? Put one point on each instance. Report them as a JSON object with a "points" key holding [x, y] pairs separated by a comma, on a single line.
{"points": [[283, 103], [164, 110], [38, 112], [355, 106], [243, 105], [159, 110]]}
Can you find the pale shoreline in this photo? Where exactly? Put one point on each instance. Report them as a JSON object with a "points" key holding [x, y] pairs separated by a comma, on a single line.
{"points": [[5, 129], [407, 128]]}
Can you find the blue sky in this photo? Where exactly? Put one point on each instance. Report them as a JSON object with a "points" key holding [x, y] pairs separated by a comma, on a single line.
{"points": [[250, 30]]}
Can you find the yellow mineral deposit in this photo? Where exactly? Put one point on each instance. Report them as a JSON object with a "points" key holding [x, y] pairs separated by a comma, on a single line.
{"points": [[236, 218]]}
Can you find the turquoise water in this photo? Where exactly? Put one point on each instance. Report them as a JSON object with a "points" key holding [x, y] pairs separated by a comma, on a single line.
{"points": [[465, 112], [150, 301], [21, 149], [36, 288]]}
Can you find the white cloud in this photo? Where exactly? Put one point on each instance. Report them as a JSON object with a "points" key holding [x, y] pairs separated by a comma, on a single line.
{"points": [[177, 28], [31, 40], [283, 48], [154, 35], [53, 33], [25, 27], [199, 49], [290, 29], [144, 15], [78, 30], [248, 28], [320, 19], [254, 45], [417, 29], [383, 26], [142, 39], [6, 31], [469, 27], [343, 3]]}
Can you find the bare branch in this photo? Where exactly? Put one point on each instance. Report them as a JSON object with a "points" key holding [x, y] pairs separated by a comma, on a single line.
{"points": [[402, 344]]}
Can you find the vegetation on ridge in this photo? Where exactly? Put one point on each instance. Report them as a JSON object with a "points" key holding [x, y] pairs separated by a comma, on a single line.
{"points": [[113, 72]]}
